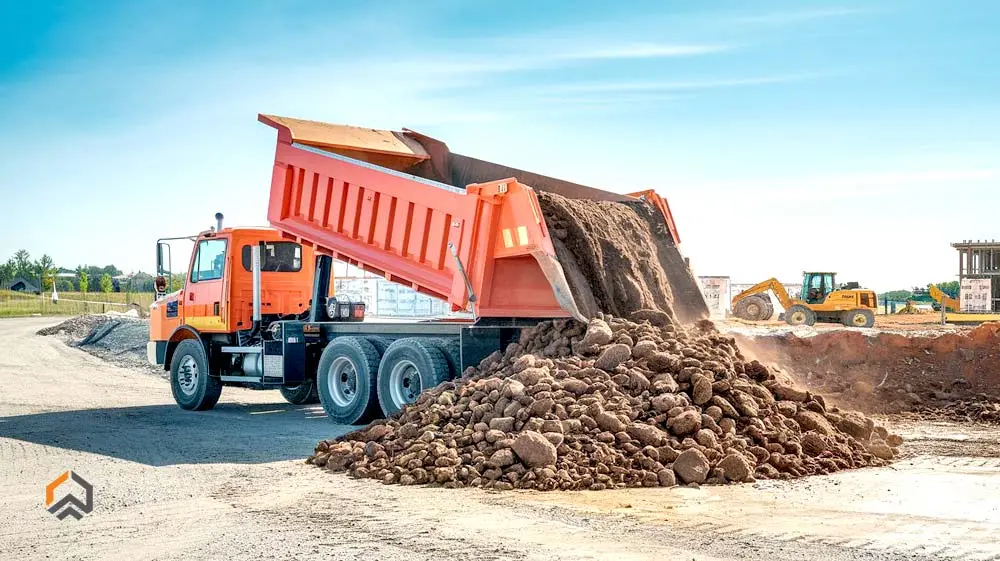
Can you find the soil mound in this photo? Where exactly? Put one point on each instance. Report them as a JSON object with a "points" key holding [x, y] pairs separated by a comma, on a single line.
{"points": [[616, 403], [619, 258], [953, 375]]}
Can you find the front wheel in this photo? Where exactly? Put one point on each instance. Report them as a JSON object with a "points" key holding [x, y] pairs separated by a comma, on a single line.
{"points": [[800, 315], [858, 318], [302, 394], [190, 382]]}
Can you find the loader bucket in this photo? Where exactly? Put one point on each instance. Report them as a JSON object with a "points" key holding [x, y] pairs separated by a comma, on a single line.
{"points": [[506, 263]]}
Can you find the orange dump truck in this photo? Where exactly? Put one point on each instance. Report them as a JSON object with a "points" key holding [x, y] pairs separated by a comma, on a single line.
{"points": [[256, 310]]}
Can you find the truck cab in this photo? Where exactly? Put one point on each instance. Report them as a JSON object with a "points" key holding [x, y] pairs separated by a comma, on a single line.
{"points": [[215, 305]]}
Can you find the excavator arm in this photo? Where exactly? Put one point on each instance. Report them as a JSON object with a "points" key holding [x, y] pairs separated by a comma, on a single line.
{"points": [[946, 301], [771, 284]]}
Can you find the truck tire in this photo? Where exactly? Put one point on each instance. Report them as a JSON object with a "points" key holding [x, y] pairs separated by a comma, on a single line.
{"points": [[302, 394], [858, 318], [409, 367], [194, 388], [768, 311], [345, 378], [753, 308], [800, 315], [452, 350]]}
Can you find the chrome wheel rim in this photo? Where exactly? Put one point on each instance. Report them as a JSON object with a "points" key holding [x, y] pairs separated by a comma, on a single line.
{"points": [[342, 381], [187, 375], [404, 383]]}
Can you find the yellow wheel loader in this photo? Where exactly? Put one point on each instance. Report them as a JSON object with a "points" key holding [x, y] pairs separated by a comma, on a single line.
{"points": [[821, 301]]}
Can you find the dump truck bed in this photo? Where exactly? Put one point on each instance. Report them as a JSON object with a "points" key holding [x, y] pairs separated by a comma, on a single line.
{"points": [[401, 205]]}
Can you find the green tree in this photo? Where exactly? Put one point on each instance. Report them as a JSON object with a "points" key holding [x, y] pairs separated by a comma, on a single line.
{"points": [[64, 285], [82, 279], [45, 268], [22, 264], [896, 296], [7, 272], [106, 284]]}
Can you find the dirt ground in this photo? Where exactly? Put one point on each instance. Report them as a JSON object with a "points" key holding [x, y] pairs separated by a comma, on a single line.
{"points": [[230, 483]]}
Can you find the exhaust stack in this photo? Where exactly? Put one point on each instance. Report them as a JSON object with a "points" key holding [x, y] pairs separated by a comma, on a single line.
{"points": [[218, 221], [255, 259]]}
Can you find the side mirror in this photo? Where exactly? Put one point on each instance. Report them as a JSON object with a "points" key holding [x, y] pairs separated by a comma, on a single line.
{"points": [[162, 258]]}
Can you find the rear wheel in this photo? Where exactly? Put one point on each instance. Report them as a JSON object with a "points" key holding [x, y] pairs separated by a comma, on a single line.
{"points": [[346, 377], [193, 388], [800, 315], [409, 367], [302, 394], [858, 318]]}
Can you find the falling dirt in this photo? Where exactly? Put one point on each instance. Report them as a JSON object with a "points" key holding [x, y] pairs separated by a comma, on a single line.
{"points": [[619, 258]]}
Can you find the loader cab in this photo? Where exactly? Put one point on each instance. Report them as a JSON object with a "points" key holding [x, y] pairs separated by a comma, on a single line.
{"points": [[816, 286]]}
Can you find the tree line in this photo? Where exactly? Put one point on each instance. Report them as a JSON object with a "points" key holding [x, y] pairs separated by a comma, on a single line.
{"points": [[43, 273], [917, 294]]}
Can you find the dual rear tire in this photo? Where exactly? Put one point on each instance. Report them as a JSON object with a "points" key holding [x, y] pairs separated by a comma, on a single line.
{"points": [[359, 379]]}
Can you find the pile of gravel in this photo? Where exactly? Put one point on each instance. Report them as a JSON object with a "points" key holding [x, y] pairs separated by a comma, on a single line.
{"points": [[118, 338], [616, 403]]}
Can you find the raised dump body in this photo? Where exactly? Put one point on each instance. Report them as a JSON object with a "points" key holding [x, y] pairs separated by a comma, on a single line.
{"points": [[401, 205]]}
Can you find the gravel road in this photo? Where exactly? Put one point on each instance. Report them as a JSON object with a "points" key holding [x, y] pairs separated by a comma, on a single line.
{"points": [[230, 483]]}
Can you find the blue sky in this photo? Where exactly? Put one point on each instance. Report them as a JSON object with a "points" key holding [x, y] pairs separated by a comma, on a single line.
{"points": [[861, 137]]}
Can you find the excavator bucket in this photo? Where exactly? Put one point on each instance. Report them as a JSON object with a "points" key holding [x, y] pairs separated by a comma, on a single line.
{"points": [[423, 157]]}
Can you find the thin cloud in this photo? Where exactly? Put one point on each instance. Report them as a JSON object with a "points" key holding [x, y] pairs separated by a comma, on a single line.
{"points": [[800, 16], [664, 86], [636, 51]]}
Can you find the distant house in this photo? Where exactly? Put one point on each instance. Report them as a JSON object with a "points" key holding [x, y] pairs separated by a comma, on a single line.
{"points": [[21, 284]]}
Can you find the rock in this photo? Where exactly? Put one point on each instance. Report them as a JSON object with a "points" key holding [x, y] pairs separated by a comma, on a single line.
{"points": [[790, 393], [534, 449], [894, 440], [504, 424], [880, 449], [856, 425], [541, 407], [502, 458], [666, 478], [612, 356], [598, 333], [701, 391], [706, 438], [444, 474], [685, 423], [643, 349], [609, 422], [810, 420], [556, 438], [646, 435], [658, 318], [813, 443], [664, 403], [691, 466], [735, 467]]}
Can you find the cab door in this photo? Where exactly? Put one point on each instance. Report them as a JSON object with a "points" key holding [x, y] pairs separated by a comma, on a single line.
{"points": [[204, 301]]}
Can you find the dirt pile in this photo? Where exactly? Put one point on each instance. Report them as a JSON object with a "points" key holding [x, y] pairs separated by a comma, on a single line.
{"points": [[119, 338], [616, 403], [952, 375], [610, 252]]}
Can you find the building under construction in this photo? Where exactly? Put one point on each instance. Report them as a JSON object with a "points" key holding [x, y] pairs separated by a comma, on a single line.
{"points": [[979, 276]]}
